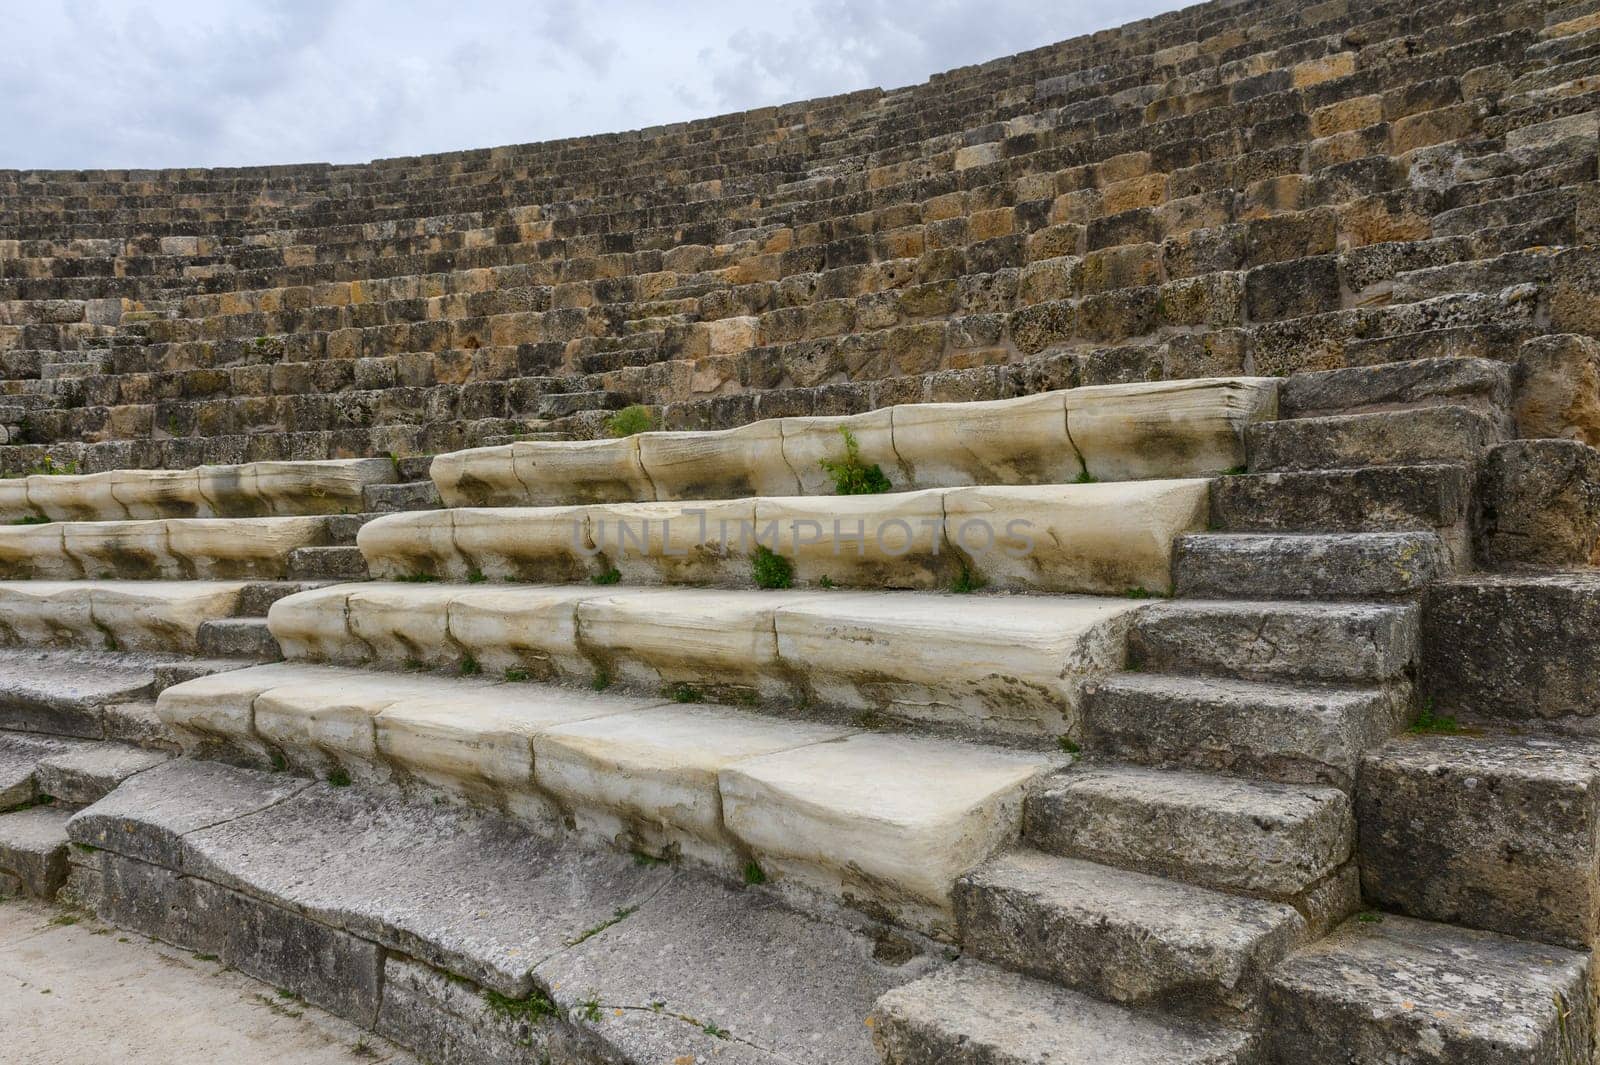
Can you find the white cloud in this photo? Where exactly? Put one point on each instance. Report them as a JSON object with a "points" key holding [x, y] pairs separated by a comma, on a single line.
{"points": [[104, 83]]}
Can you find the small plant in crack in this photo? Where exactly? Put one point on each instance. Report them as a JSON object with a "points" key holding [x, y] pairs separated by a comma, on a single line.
{"points": [[534, 1008], [851, 476], [339, 777], [516, 676], [618, 916], [711, 1029], [753, 873], [684, 693], [470, 667], [475, 576], [966, 582], [771, 570], [610, 576], [589, 1009], [1429, 723]]}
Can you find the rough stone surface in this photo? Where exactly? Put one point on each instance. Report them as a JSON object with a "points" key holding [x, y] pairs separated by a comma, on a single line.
{"points": [[20, 755], [1477, 384], [66, 694], [1447, 434], [1366, 500], [1296, 734], [1357, 642], [1370, 565], [1404, 990], [971, 1014], [1491, 831], [1475, 628], [1265, 839], [33, 849], [1539, 505], [1557, 385], [1124, 936], [87, 774]]}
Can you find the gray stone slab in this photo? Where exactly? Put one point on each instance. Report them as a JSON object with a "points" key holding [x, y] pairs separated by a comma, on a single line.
{"points": [[701, 959], [20, 755], [1301, 641], [971, 1014], [1402, 990], [33, 849], [464, 890], [1364, 565], [325, 966], [1290, 733], [63, 693], [148, 816], [88, 773], [1123, 936], [1372, 499], [1479, 384], [1225, 832]]}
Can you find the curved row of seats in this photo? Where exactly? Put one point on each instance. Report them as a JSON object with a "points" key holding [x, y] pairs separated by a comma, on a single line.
{"points": [[257, 489]]}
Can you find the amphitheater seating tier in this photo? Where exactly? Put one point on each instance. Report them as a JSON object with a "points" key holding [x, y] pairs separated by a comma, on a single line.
{"points": [[354, 634]]}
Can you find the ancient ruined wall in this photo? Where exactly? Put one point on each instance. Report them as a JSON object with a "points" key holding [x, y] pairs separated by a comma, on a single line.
{"points": [[1233, 188]]}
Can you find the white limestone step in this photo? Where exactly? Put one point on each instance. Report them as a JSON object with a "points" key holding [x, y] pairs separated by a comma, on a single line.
{"points": [[1192, 428], [157, 549], [253, 489], [1084, 538], [1009, 664], [885, 821], [1273, 840], [114, 615], [974, 1014]]}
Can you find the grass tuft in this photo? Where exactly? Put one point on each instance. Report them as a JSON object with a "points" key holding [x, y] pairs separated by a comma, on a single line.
{"points": [[631, 420], [771, 570], [851, 476]]}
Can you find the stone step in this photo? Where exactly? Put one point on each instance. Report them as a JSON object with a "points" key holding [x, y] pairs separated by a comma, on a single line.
{"points": [[70, 694], [88, 773], [1080, 538], [33, 851], [1297, 734], [888, 821], [1446, 434], [258, 596], [1374, 499], [255, 489], [114, 615], [20, 755], [1367, 565], [1271, 840], [1012, 665], [344, 563], [1476, 384], [1108, 432], [159, 549], [1123, 936], [973, 1014], [1357, 643], [1396, 989], [238, 638], [466, 936], [394, 498]]}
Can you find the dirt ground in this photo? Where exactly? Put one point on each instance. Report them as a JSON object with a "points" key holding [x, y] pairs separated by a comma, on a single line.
{"points": [[75, 992]]}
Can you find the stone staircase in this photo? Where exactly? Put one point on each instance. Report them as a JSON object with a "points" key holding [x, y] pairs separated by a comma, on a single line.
{"points": [[1113, 795], [1192, 672]]}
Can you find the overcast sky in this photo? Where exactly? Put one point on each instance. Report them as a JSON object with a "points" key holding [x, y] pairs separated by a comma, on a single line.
{"points": [[102, 83]]}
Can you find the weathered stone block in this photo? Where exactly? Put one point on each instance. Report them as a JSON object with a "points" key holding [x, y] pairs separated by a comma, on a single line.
{"points": [[1511, 647], [1539, 505]]}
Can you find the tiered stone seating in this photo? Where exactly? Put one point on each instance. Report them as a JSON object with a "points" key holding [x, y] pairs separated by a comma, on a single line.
{"points": [[1265, 322]]}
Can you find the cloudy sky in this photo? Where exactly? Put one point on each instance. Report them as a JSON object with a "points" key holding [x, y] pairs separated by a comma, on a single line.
{"points": [[110, 83]]}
